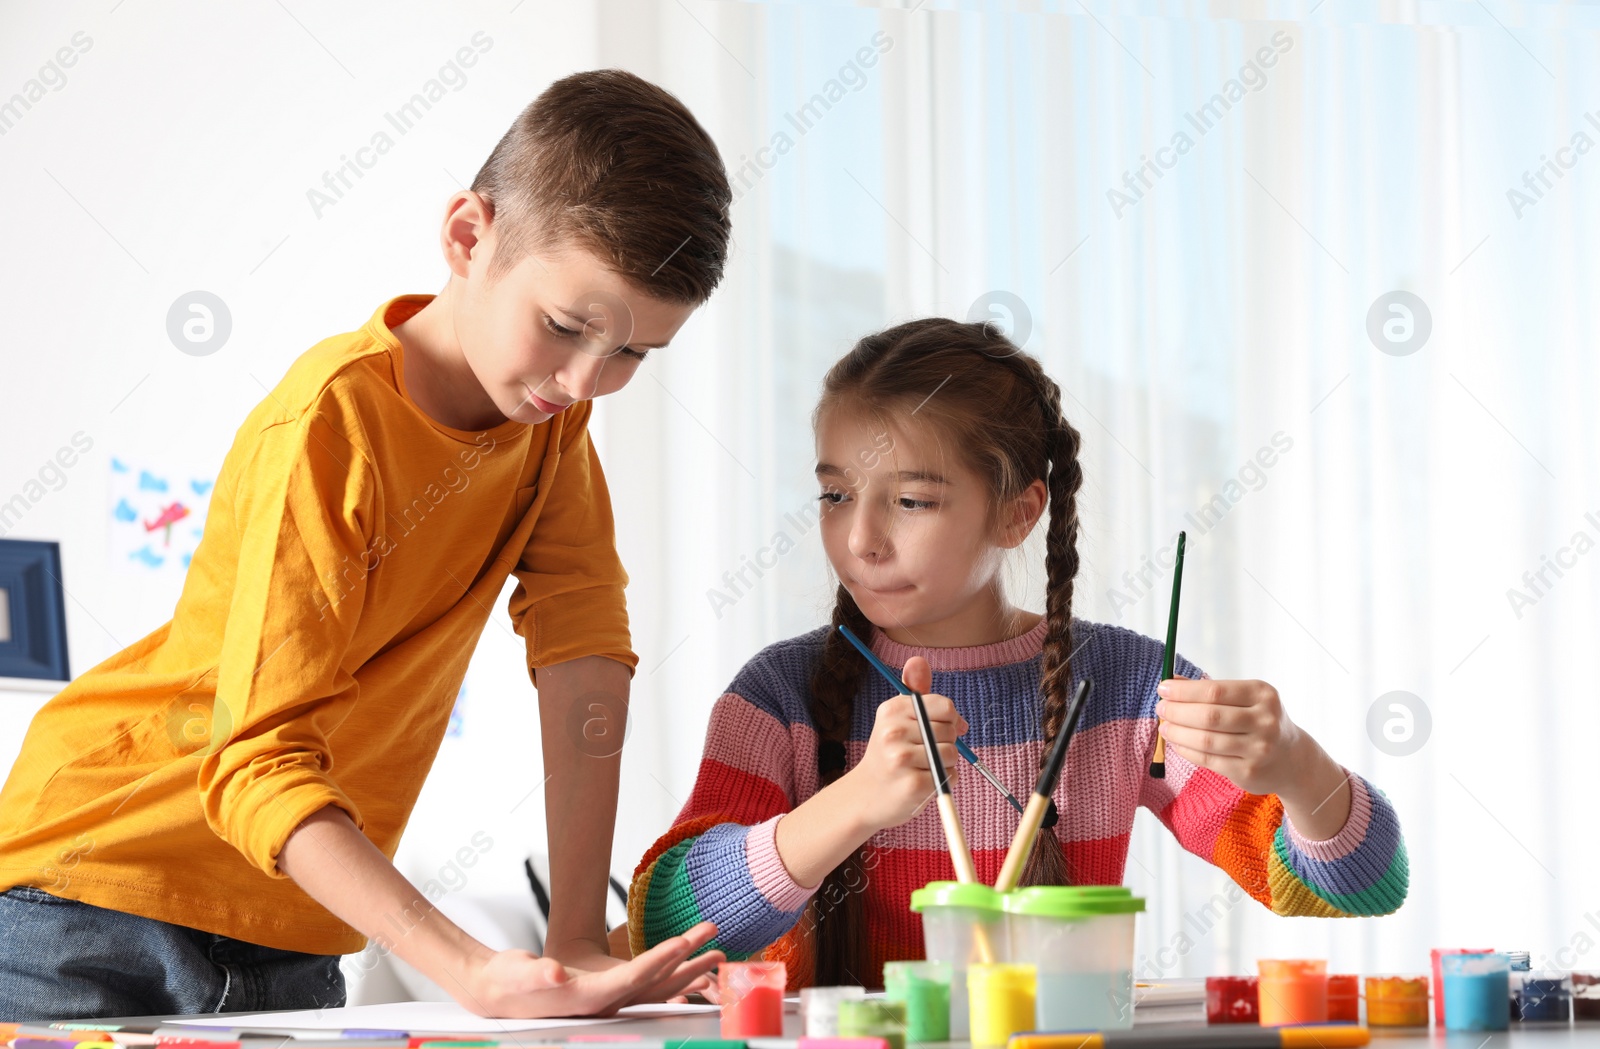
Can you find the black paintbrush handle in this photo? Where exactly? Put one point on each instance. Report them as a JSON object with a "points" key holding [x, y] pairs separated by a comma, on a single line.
{"points": [[941, 778], [1051, 774]]}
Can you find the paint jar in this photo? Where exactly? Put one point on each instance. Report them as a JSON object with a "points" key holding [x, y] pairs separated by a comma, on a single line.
{"points": [[1080, 938], [1002, 996], [1397, 1001], [1344, 998], [1545, 997], [1586, 996], [1232, 1000], [752, 999], [1438, 980], [962, 925], [819, 1008], [1520, 962], [1475, 989], [1293, 991], [873, 1018], [924, 987]]}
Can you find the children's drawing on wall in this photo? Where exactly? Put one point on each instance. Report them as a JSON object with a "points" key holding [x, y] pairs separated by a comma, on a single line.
{"points": [[157, 516]]}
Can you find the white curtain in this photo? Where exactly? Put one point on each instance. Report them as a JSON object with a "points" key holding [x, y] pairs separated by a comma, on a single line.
{"points": [[1204, 301]]}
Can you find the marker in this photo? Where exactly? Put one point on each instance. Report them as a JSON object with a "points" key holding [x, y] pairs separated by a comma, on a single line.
{"points": [[66, 1033], [202, 1033], [51, 1028], [372, 1032], [1158, 763], [970, 755], [1033, 816], [71, 1035], [1311, 1036], [818, 1043]]}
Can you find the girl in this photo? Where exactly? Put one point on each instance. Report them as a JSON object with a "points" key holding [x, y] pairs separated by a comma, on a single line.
{"points": [[939, 446]]}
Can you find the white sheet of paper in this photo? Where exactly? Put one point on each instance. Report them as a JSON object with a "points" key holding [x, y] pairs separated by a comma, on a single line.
{"points": [[420, 1018]]}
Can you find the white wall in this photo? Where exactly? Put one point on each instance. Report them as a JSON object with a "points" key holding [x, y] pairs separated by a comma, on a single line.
{"points": [[178, 156]]}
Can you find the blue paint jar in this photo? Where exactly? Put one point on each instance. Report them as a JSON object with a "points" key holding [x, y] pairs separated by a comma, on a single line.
{"points": [[1545, 997], [1521, 963], [1476, 988]]}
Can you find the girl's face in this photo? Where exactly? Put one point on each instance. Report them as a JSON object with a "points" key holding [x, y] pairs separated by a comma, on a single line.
{"points": [[910, 531]]}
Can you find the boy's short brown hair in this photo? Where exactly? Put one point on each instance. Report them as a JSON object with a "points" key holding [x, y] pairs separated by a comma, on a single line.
{"points": [[620, 167]]}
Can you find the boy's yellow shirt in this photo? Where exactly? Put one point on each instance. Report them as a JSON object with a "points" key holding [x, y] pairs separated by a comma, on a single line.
{"points": [[352, 554]]}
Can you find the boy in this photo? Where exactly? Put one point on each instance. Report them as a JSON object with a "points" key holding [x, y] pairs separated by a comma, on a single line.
{"points": [[205, 821]]}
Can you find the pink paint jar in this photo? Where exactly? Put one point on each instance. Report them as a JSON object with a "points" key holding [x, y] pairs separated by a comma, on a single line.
{"points": [[752, 999]]}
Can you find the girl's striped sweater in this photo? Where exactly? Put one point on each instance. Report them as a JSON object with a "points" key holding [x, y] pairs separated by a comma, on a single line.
{"points": [[720, 861]]}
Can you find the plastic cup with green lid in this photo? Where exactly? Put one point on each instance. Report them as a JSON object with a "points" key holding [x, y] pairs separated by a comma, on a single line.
{"points": [[1081, 939], [962, 924]]}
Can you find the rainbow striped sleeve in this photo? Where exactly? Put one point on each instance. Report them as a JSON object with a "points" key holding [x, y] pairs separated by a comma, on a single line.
{"points": [[1360, 871], [719, 861]]}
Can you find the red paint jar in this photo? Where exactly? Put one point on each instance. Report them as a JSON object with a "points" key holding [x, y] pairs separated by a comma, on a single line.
{"points": [[1344, 999], [1232, 1000], [752, 999], [1586, 996]]}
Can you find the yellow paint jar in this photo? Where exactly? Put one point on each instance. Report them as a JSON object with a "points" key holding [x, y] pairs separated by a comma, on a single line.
{"points": [[1001, 1001]]}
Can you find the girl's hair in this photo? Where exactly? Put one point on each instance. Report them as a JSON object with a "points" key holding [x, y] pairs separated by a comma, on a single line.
{"points": [[974, 390]]}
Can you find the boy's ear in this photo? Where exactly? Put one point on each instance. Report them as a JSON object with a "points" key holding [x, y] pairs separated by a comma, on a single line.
{"points": [[465, 235], [1023, 513]]}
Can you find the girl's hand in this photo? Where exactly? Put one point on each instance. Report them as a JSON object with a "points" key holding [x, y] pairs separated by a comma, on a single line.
{"points": [[893, 781], [1239, 730]]}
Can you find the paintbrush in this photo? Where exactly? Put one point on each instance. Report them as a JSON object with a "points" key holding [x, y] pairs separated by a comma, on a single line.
{"points": [[959, 854], [1039, 803], [965, 751], [1158, 763]]}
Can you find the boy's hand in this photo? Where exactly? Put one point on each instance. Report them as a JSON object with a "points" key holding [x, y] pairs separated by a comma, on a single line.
{"points": [[583, 954], [1238, 729], [519, 984], [893, 781]]}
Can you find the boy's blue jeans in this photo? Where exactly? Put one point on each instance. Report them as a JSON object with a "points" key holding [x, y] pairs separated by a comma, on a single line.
{"points": [[65, 960]]}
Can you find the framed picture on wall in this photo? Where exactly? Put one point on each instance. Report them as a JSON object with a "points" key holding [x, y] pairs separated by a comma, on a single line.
{"points": [[33, 619]]}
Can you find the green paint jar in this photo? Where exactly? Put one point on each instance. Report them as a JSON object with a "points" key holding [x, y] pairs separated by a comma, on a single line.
{"points": [[924, 987], [874, 1018]]}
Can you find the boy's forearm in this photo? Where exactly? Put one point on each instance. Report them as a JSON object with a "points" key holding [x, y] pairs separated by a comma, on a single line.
{"points": [[341, 869], [583, 708]]}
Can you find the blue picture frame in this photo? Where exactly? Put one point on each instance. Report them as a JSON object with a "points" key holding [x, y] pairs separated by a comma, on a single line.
{"points": [[30, 575]]}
